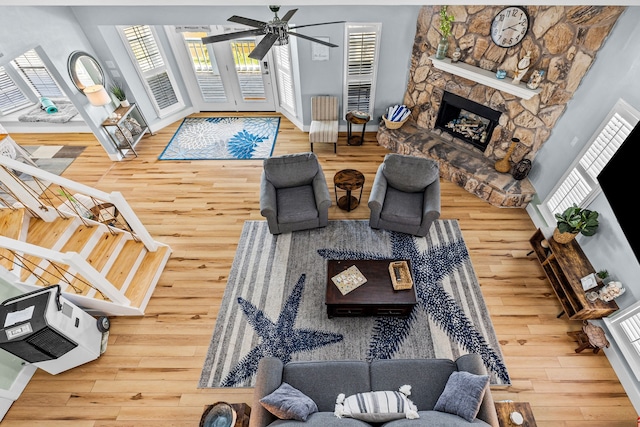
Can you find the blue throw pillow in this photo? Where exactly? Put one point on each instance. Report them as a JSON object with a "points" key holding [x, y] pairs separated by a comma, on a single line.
{"points": [[462, 396], [289, 403]]}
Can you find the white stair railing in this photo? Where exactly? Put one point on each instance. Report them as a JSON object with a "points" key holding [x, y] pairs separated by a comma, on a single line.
{"points": [[43, 206]]}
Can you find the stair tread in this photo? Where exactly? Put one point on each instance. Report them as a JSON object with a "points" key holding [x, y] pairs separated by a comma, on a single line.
{"points": [[144, 276], [10, 226], [124, 263], [99, 256]]}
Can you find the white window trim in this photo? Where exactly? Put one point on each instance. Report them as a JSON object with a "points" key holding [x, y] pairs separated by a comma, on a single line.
{"points": [[350, 28], [14, 106], [621, 108], [160, 112]]}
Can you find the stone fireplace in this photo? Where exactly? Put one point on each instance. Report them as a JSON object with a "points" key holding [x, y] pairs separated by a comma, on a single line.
{"points": [[467, 120], [563, 41]]}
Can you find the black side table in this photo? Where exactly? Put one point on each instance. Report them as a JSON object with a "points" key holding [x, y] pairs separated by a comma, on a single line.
{"points": [[357, 118]]}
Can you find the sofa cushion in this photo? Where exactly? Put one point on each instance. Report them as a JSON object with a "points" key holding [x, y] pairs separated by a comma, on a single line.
{"points": [[289, 403], [463, 394], [291, 170], [427, 377], [322, 419], [409, 173], [313, 377], [436, 419], [377, 406]]}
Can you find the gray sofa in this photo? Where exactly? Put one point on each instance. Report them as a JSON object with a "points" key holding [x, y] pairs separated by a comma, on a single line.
{"points": [[322, 381]]}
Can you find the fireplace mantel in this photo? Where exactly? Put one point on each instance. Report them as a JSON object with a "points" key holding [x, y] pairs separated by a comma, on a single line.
{"points": [[485, 77]]}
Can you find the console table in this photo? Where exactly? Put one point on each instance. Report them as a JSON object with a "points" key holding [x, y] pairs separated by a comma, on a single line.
{"points": [[565, 265]]}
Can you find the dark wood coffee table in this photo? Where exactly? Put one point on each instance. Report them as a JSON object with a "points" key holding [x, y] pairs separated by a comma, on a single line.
{"points": [[375, 298]]}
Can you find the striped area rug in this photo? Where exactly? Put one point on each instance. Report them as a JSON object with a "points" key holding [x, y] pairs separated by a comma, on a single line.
{"points": [[274, 302]]}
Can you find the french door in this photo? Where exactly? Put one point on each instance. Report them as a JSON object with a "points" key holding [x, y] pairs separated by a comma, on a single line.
{"points": [[221, 76]]}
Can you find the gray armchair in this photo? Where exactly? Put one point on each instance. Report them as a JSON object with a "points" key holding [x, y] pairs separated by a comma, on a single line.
{"points": [[405, 196], [293, 193]]}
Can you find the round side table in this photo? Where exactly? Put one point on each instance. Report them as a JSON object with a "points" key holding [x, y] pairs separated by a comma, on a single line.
{"points": [[348, 180], [356, 118]]}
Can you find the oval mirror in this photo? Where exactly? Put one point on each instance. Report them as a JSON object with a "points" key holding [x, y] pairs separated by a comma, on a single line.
{"points": [[84, 70]]}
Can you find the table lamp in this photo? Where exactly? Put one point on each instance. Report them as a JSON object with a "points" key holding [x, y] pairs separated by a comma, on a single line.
{"points": [[98, 96]]}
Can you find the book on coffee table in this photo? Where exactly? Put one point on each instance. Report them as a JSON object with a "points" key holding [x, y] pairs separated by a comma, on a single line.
{"points": [[349, 279]]}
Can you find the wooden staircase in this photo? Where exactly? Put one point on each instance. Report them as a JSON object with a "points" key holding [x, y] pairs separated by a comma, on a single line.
{"points": [[122, 263]]}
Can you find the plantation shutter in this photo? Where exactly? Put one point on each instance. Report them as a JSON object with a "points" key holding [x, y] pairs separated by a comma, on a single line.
{"points": [[151, 65], [205, 68], [284, 73], [580, 185], [37, 76], [624, 327], [11, 97], [362, 42]]}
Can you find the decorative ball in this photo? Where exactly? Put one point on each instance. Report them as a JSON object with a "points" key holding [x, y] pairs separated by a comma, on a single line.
{"points": [[521, 169]]}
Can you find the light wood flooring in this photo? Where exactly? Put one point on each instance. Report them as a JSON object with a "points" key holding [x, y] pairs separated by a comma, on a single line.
{"points": [[149, 374]]}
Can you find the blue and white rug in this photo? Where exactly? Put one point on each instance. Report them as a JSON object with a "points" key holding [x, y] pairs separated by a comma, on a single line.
{"points": [[217, 138], [274, 302]]}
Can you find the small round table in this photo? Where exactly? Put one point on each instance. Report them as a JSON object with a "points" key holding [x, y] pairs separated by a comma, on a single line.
{"points": [[356, 118], [348, 180]]}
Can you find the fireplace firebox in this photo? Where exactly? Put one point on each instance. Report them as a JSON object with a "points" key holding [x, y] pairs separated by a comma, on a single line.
{"points": [[467, 120]]}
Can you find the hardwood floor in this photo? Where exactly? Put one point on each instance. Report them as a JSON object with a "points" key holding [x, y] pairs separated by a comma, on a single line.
{"points": [[149, 374]]}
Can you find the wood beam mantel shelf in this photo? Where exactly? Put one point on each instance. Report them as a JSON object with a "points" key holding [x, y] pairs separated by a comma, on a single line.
{"points": [[485, 77]]}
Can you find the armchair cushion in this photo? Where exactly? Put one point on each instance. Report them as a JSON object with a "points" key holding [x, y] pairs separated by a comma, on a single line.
{"points": [[409, 174], [402, 207], [296, 204], [291, 170]]}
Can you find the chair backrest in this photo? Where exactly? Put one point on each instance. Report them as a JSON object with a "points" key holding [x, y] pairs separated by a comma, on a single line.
{"points": [[324, 108], [291, 170], [409, 173]]}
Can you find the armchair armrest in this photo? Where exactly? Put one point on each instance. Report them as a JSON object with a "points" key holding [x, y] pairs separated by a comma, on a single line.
{"points": [[473, 363], [268, 378], [321, 192], [430, 207], [376, 197], [269, 204]]}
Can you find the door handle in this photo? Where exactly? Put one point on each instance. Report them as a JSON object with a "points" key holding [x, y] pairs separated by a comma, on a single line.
{"points": [[265, 67]]}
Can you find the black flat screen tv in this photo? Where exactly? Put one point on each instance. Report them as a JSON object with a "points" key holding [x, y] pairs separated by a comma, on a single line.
{"points": [[618, 182]]}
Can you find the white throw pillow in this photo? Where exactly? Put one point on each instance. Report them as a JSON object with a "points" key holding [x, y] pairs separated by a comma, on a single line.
{"points": [[377, 406]]}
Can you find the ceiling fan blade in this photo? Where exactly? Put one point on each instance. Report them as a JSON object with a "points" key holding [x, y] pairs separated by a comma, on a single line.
{"points": [[320, 23], [247, 21], [263, 47], [312, 39], [289, 14], [230, 36]]}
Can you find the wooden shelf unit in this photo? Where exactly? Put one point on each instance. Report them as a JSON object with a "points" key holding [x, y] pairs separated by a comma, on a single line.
{"points": [[564, 266], [111, 126]]}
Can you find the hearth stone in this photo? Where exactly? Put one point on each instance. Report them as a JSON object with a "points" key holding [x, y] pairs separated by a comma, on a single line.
{"points": [[465, 167]]}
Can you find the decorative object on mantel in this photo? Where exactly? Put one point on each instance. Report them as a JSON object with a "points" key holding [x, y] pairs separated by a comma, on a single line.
{"points": [[509, 26], [455, 56], [575, 220], [521, 169], [501, 74], [396, 116], [521, 68], [535, 79], [504, 165], [445, 31]]}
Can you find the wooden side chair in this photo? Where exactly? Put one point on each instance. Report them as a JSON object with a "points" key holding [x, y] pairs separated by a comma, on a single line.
{"points": [[324, 121]]}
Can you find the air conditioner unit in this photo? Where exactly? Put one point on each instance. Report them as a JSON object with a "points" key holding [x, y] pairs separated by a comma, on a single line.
{"points": [[50, 332]]}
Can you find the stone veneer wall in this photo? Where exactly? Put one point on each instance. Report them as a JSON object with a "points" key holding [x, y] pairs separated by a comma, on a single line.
{"points": [[563, 41]]}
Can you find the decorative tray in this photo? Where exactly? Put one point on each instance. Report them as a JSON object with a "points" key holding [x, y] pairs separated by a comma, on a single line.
{"points": [[400, 275], [349, 279]]}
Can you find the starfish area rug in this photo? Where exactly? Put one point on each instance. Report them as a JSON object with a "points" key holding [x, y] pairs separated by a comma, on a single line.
{"points": [[274, 302], [217, 138]]}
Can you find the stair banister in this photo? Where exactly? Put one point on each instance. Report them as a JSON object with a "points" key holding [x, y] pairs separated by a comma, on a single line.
{"points": [[74, 261], [24, 195], [134, 222]]}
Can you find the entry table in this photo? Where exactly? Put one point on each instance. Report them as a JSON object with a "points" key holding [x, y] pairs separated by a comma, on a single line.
{"points": [[348, 180], [356, 118]]}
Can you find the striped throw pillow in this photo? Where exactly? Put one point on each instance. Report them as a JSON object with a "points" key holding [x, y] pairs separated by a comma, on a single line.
{"points": [[377, 406]]}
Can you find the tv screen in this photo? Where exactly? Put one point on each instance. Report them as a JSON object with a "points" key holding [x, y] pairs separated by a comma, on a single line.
{"points": [[618, 186]]}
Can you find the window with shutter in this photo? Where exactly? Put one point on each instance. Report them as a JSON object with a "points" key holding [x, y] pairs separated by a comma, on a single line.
{"points": [[205, 68], [580, 185], [11, 97], [149, 60], [624, 327], [284, 74], [361, 59], [35, 73]]}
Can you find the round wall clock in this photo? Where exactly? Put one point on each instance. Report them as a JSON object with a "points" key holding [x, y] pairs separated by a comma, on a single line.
{"points": [[509, 26]]}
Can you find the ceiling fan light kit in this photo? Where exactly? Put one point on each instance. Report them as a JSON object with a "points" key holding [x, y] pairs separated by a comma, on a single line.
{"points": [[276, 32]]}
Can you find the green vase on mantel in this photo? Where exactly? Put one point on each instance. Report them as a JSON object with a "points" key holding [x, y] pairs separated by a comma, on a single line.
{"points": [[443, 46]]}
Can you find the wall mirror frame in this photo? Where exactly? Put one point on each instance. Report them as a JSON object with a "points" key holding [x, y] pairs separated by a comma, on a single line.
{"points": [[84, 70]]}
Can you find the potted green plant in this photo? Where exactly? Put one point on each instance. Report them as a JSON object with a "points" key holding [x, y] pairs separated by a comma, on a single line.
{"points": [[575, 220], [117, 89], [445, 30]]}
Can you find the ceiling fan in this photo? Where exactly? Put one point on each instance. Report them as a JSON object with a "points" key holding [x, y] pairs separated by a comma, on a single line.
{"points": [[276, 32]]}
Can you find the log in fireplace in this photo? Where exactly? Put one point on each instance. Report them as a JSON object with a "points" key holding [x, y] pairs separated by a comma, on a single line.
{"points": [[467, 120]]}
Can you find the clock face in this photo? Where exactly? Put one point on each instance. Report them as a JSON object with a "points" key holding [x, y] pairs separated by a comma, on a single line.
{"points": [[509, 26]]}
